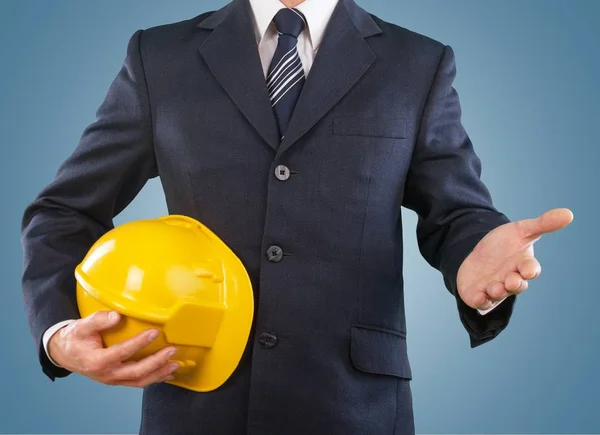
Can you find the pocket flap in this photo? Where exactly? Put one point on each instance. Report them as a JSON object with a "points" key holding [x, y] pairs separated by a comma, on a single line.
{"points": [[374, 126], [379, 352]]}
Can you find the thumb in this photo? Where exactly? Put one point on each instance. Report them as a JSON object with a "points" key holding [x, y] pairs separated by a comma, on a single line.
{"points": [[97, 322], [550, 221]]}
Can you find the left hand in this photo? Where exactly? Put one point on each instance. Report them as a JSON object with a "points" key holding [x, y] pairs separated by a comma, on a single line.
{"points": [[502, 262]]}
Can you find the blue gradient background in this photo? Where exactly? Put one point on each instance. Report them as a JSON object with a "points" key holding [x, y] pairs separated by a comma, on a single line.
{"points": [[528, 76]]}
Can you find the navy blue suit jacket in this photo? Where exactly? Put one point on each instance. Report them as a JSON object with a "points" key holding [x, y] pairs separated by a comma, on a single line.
{"points": [[377, 127]]}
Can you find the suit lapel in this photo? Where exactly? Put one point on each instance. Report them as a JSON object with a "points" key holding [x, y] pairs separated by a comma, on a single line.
{"points": [[343, 57], [231, 54]]}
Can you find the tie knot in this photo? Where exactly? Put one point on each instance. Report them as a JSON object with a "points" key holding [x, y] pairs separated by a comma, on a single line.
{"points": [[289, 21]]}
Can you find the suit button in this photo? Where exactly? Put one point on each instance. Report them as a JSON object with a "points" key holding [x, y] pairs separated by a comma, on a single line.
{"points": [[274, 254], [282, 172], [268, 340]]}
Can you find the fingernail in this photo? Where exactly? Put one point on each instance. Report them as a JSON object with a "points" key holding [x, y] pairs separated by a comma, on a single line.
{"points": [[152, 335], [113, 316], [173, 367], [171, 352]]}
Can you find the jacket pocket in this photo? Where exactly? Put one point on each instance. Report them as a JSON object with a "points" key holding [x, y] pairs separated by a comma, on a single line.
{"points": [[379, 352], [374, 126]]}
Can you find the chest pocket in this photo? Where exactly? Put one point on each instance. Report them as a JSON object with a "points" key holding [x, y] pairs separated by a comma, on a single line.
{"points": [[369, 126]]}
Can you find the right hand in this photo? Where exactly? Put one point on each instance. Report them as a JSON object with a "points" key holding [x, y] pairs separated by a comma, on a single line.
{"points": [[78, 348]]}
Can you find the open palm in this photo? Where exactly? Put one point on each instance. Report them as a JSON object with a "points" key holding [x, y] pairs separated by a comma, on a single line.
{"points": [[503, 261]]}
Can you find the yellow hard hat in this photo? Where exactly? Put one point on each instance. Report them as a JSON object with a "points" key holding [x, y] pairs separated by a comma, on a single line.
{"points": [[175, 275]]}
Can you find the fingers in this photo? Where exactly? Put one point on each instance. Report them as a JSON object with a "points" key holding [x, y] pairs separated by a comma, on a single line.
{"points": [[163, 374], [125, 350], [105, 365], [556, 219], [483, 301], [517, 282], [144, 367], [99, 321], [550, 221], [480, 301], [514, 283], [529, 268], [151, 379], [496, 291], [152, 369]]}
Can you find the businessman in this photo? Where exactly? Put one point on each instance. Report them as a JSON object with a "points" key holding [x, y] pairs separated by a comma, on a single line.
{"points": [[296, 131]]}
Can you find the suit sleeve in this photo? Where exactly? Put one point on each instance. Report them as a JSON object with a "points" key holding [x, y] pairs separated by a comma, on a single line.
{"points": [[109, 166], [453, 206]]}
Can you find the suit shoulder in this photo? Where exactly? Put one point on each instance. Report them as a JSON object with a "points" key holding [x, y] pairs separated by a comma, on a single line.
{"points": [[168, 34], [416, 42]]}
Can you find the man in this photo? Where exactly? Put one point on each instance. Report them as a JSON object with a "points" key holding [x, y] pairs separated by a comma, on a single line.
{"points": [[296, 131]]}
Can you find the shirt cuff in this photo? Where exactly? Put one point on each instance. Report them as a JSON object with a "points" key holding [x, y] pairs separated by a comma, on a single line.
{"points": [[494, 305], [50, 332]]}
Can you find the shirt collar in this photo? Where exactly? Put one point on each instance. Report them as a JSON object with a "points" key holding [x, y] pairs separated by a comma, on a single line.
{"points": [[317, 13]]}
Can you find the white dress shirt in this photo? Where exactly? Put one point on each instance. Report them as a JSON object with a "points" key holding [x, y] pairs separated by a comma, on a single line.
{"points": [[317, 14]]}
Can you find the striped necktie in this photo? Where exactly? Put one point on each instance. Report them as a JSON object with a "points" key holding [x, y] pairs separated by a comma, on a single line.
{"points": [[286, 74]]}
